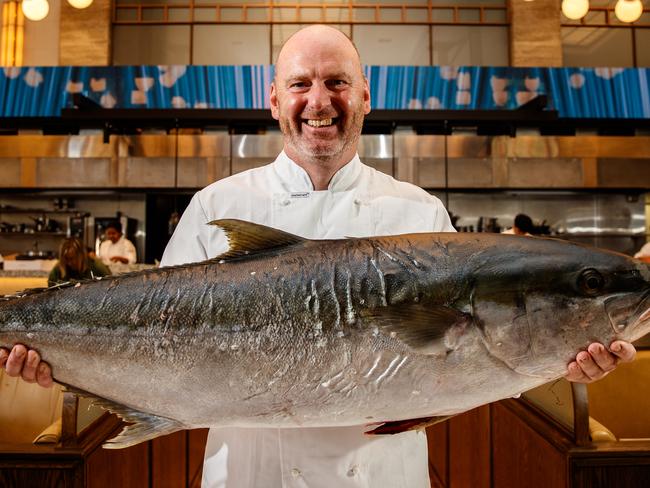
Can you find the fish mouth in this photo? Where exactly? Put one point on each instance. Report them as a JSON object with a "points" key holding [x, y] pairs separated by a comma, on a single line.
{"points": [[629, 314]]}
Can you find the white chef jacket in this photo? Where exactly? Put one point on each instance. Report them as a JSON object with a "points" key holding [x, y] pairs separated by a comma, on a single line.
{"points": [[359, 201], [123, 247]]}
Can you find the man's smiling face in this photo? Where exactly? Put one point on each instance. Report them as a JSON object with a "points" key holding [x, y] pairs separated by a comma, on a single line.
{"points": [[320, 97]]}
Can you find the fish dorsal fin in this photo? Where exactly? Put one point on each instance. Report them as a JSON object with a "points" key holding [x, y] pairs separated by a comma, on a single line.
{"points": [[144, 426], [246, 238], [426, 329]]}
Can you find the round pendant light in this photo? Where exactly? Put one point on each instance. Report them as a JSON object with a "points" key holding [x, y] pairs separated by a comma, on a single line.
{"points": [[80, 3], [628, 10], [35, 9], [575, 9]]}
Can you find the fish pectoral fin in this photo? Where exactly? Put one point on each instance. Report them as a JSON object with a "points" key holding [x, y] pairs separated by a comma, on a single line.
{"points": [[426, 329], [145, 426], [246, 238], [397, 426]]}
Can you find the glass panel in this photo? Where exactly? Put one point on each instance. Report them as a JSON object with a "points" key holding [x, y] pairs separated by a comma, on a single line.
{"points": [[231, 44], [336, 14], [151, 44], [232, 15], [285, 14], [205, 14], [363, 14], [595, 17], [469, 15], [390, 15], [257, 14], [153, 14], [179, 14], [596, 46], [442, 15], [416, 15], [311, 14], [393, 44], [642, 52], [470, 45], [126, 14], [500, 16]]}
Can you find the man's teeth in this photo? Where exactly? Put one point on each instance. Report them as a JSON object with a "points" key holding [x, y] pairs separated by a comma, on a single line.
{"points": [[320, 123]]}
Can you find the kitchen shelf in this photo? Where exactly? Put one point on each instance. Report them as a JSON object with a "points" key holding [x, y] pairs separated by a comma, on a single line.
{"points": [[33, 234], [41, 211]]}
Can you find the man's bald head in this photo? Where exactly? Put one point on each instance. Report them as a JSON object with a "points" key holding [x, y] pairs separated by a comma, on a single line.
{"points": [[314, 37]]}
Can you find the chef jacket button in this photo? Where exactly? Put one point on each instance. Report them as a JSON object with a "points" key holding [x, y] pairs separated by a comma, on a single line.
{"points": [[358, 201], [286, 202], [353, 471], [295, 472]]}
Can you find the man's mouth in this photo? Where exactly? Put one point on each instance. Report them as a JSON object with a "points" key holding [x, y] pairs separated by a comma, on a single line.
{"points": [[321, 122]]}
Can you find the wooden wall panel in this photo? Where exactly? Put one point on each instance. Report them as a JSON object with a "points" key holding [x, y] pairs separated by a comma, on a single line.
{"points": [[538, 463], [196, 450], [438, 445], [126, 468], [169, 460], [469, 449]]}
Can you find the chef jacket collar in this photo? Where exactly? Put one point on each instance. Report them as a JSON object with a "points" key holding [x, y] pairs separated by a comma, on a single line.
{"points": [[296, 179]]}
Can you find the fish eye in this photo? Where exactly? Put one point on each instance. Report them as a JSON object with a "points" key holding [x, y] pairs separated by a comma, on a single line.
{"points": [[590, 281]]}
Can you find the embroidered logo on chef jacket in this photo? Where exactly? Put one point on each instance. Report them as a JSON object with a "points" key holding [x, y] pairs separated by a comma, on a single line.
{"points": [[302, 194]]}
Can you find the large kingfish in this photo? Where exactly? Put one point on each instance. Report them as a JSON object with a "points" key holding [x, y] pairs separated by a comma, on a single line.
{"points": [[282, 331]]}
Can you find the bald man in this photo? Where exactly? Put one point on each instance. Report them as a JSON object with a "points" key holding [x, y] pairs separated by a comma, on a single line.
{"points": [[318, 188]]}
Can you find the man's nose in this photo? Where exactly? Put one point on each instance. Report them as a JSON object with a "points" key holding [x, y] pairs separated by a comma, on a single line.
{"points": [[319, 96]]}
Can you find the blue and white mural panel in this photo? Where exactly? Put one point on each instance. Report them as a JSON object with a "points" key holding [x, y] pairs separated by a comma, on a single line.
{"points": [[574, 92]]}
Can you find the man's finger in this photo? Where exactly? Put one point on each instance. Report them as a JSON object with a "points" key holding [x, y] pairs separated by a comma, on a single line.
{"points": [[30, 366], [575, 374], [4, 355], [16, 360], [44, 375], [623, 350], [589, 367], [605, 360]]}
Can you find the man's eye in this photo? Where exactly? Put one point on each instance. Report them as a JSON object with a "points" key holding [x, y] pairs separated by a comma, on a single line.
{"points": [[337, 83], [298, 84]]}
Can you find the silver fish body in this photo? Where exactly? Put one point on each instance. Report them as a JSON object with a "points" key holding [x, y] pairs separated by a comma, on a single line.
{"points": [[288, 332]]}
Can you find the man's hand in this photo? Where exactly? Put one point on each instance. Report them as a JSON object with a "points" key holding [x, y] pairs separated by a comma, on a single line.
{"points": [[596, 362], [27, 364], [119, 259]]}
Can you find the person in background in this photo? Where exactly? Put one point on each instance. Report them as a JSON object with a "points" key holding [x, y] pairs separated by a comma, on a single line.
{"points": [[116, 248], [318, 188], [75, 264], [523, 226]]}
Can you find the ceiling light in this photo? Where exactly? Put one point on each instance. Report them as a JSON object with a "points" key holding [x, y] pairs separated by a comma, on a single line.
{"points": [[575, 9], [80, 3], [628, 10], [35, 9]]}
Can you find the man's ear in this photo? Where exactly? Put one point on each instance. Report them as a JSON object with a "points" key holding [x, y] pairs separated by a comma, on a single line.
{"points": [[273, 98], [366, 96]]}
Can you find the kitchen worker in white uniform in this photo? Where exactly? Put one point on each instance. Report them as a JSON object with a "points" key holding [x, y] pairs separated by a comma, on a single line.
{"points": [[317, 188], [116, 248]]}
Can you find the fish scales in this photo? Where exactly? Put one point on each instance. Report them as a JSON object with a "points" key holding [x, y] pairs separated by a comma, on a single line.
{"points": [[317, 333]]}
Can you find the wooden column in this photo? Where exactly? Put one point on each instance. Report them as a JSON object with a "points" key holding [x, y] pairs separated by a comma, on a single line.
{"points": [[535, 37], [85, 34]]}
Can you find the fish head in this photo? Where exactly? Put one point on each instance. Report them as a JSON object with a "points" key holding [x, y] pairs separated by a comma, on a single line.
{"points": [[549, 299]]}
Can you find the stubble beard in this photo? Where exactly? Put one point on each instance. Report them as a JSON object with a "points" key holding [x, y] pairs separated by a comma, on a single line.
{"points": [[325, 152]]}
